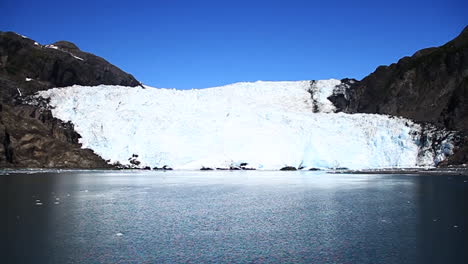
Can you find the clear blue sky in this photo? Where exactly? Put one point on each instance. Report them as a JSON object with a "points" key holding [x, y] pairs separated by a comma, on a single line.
{"points": [[196, 44]]}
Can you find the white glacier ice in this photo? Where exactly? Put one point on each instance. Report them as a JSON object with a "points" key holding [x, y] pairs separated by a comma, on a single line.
{"points": [[268, 125]]}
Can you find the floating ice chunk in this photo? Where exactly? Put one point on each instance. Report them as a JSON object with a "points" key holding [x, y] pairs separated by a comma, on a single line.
{"points": [[119, 234]]}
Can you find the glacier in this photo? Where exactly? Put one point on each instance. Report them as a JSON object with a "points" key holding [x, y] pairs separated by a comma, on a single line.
{"points": [[268, 125]]}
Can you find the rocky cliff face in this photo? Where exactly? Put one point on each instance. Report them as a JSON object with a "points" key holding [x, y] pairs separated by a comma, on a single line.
{"points": [[430, 86], [31, 138], [29, 135]]}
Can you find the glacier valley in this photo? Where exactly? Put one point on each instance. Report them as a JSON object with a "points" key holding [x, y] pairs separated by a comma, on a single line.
{"points": [[266, 125]]}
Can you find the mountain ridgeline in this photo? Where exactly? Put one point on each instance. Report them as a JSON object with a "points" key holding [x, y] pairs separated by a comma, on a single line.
{"points": [[27, 67], [430, 87]]}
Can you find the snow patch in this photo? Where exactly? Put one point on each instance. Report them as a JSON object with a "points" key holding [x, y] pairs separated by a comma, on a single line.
{"points": [[51, 47], [23, 36], [57, 48], [76, 57]]}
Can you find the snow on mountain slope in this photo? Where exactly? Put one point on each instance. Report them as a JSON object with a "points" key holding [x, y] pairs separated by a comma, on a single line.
{"points": [[268, 125]]}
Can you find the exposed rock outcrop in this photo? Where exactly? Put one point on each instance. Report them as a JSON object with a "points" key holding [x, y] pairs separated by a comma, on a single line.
{"points": [[31, 138], [288, 168]]}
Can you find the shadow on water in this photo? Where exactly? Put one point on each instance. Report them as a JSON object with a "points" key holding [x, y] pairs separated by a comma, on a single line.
{"points": [[442, 218], [29, 226]]}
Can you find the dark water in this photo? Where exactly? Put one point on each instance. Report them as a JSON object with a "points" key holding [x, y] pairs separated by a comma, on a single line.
{"points": [[233, 217]]}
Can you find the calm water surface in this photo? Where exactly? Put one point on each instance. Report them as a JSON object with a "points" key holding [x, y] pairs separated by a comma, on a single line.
{"points": [[233, 217]]}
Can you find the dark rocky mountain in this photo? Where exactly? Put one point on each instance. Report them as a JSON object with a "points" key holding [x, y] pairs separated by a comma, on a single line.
{"points": [[29, 135], [28, 66], [430, 86]]}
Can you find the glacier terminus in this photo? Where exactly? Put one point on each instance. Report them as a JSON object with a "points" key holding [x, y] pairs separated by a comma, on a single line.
{"points": [[266, 125]]}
